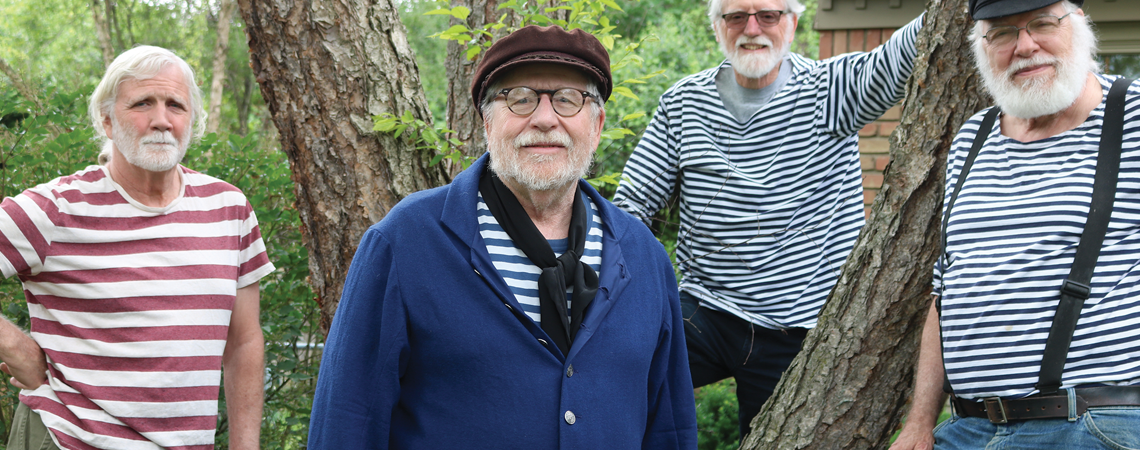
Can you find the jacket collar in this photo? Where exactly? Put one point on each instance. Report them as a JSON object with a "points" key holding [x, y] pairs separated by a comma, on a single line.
{"points": [[460, 215]]}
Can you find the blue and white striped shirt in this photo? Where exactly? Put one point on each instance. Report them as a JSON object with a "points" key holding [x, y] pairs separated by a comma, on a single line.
{"points": [[1011, 240], [771, 207], [519, 272]]}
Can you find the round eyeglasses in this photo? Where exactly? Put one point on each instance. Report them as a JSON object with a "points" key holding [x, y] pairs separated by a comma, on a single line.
{"points": [[523, 100], [765, 17], [1004, 36]]}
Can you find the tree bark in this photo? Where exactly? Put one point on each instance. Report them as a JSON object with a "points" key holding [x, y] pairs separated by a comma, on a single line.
{"points": [[244, 103], [849, 385], [103, 33], [325, 67], [214, 114]]}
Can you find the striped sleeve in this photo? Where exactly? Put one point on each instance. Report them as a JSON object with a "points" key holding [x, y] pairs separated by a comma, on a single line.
{"points": [[651, 172], [865, 85], [24, 233]]}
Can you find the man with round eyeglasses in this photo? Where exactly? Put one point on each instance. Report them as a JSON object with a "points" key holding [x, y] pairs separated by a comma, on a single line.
{"points": [[1033, 334], [763, 153], [515, 307]]}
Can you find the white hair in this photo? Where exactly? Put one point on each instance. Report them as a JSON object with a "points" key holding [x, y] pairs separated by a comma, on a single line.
{"points": [[1037, 98], [142, 63], [793, 7]]}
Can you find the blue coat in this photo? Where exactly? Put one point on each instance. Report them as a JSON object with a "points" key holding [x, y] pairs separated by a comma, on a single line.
{"points": [[430, 350]]}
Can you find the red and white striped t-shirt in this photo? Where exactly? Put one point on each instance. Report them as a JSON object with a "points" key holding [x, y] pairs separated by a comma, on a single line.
{"points": [[131, 304]]}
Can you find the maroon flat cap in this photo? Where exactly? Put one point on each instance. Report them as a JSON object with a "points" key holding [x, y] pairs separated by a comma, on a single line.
{"points": [[550, 44]]}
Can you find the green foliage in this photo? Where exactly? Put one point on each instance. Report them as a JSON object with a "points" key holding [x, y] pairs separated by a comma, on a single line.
{"points": [[717, 427], [431, 53], [425, 136], [289, 312]]}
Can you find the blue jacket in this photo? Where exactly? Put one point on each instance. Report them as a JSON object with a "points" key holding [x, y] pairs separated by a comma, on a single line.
{"points": [[429, 349]]}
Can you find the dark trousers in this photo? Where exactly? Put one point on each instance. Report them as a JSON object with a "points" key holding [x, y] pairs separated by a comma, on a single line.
{"points": [[722, 345]]}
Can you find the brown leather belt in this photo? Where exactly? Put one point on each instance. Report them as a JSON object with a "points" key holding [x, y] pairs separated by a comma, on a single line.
{"points": [[1000, 411]]}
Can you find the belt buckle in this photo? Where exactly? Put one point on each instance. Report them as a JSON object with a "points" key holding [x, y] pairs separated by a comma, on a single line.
{"points": [[995, 410]]}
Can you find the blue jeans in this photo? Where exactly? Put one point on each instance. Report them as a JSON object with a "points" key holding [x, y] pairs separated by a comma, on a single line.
{"points": [[1116, 427]]}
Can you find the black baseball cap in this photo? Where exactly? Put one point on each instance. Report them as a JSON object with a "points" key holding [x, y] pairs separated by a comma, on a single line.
{"points": [[993, 9]]}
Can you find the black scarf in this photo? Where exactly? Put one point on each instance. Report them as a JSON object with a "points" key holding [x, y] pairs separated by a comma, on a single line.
{"points": [[557, 273]]}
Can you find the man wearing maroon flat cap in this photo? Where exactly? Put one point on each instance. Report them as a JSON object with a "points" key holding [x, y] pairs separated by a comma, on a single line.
{"points": [[515, 307], [1033, 334]]}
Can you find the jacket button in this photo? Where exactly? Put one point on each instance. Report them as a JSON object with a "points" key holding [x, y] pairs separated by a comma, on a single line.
{"points": [[570, 371], [570, 419], [543, 341]]}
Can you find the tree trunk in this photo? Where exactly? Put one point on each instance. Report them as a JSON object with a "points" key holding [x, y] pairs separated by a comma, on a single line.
{"points": [[103, 33], [325, 68], [849, 385], [214, 116], [244, 103]]}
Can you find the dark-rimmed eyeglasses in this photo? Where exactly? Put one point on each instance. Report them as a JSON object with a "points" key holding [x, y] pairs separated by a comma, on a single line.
{"points": [[765, 17], [1004, 36], [523, 100]]}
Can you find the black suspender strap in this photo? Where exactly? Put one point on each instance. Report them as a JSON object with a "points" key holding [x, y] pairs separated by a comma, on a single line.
{"points": [[1076, 288], [984, 130]]}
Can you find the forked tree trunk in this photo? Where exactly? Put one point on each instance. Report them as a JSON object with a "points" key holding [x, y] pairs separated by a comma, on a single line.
{"points": [[325, 68], [848, 387]]}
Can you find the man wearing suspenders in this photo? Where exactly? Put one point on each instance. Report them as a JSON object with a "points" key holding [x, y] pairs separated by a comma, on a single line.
{"points": [[1036, 333]]}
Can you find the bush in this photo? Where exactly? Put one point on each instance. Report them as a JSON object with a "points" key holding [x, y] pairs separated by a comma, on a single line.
{"points": [[717, 411]]}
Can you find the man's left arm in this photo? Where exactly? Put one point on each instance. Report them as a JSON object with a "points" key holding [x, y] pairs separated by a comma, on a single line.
{"points": [[672, 420], [244, 365], [863, 86]]}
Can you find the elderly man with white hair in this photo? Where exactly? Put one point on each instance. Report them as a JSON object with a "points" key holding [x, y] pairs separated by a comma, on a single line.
{"points": [[1034, 331], [763, 153], [141, 278]]}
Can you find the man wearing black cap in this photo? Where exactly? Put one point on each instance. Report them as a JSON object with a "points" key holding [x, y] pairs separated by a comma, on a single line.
{"points": [[515, 307], [1036, 326]]}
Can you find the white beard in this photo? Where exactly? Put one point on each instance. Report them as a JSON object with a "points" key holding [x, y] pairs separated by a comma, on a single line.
{"points": [[156, 152], [753, 65], [1041, 95], [537, 172]]}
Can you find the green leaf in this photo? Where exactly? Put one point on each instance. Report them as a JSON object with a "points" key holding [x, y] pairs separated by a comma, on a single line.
{"points": [[636, 115], [617, 133], [383, 124], [473, 51], [612, 5], [608, 42], [461, 12], [624, 92], [438, 12]]}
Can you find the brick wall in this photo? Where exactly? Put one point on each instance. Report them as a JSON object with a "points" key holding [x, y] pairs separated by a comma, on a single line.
{"points": [[873, 145]]}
